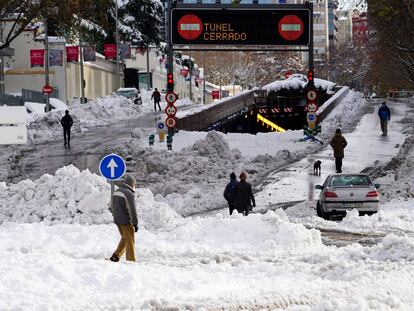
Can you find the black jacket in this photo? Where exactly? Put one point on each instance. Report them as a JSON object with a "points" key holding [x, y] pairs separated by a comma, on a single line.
{"points": [[244, 196], [66, 121], [230, 191], [123, 206], [156, 95]]}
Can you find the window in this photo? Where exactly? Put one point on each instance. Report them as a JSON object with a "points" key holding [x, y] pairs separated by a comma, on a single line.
{"points": [[350, 180]]}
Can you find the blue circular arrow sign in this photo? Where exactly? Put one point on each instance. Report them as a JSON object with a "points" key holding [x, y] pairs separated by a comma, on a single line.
{"points": [[112, 167]]}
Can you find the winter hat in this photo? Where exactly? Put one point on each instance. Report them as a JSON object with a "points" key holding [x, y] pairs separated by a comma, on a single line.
{"points": [[130, 180], [233, 176], [338, 131]]}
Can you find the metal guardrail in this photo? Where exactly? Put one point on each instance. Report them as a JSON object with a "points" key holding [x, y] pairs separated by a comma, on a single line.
{"points": [[202, 120], [331, 103]]}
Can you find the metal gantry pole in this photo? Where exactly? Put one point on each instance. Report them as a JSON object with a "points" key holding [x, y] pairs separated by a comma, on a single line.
{"points": [[118, 78], [47, 65], [170, 58], [204, 77], [191, 77]]}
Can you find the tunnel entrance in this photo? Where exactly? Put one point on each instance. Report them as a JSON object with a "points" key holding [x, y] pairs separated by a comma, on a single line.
{"points": [[251, 122], [270, 113]]}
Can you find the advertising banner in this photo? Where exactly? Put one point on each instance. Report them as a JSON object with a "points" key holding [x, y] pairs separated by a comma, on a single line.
{"points": [[55, 57], [89, 54], [37, 58], [110, 51], [72, 53], [125, 51]]}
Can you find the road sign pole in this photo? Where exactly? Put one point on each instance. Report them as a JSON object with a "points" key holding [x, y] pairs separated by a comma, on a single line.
{"points": [[170, 57], [47, 65], [311, 61]]}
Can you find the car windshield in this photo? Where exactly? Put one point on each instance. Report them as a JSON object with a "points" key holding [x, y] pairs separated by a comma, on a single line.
{"points": [[350, 180], [128, 94]]}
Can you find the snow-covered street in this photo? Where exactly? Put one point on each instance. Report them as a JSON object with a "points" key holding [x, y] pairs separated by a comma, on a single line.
{"points": [[56, 232]]}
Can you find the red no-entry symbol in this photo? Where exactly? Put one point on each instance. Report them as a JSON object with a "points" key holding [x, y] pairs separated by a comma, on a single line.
{"points": [[190, 27], [291, 27]]}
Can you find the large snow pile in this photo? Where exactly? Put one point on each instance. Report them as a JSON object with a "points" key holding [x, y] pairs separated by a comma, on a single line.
{"points": [[298, 81], [46, 127], [71, 196], [105, 110]]}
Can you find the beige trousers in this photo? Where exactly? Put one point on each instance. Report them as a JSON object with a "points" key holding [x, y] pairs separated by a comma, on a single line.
{"points": [[127, 242]]}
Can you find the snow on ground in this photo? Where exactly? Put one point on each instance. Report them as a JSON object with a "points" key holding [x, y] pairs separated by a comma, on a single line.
{"points": [[55, 232], [43, 127], [208, 263]]}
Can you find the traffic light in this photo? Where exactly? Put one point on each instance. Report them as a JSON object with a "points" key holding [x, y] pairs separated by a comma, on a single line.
{"points": [[170, 82], [310, 76]]}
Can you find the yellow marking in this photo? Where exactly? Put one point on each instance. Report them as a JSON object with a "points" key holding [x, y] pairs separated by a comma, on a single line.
{"points": [[273, 126]]}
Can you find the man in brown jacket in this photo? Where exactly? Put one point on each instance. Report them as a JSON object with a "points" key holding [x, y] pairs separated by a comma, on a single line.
{"points": [[125, 217], [338, 143]]}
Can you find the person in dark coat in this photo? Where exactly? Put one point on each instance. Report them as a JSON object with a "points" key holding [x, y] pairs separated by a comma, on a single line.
{"points": [[157, 98], [230, 192], [244, 196], [338, 143], [384, 115], [125, 217], [66, 123]]}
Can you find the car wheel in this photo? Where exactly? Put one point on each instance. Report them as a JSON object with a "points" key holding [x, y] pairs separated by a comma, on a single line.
{"points": [[319, 210]]}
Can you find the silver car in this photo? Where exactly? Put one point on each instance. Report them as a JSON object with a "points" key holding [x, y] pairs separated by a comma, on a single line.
{"points": [[343, 192]]}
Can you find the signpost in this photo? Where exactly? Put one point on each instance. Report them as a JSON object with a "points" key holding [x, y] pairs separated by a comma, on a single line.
{"points": [[171, 110], [171, 122]]}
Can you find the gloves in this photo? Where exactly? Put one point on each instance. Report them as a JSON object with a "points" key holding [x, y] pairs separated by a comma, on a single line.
{"points": [[136, 228]]}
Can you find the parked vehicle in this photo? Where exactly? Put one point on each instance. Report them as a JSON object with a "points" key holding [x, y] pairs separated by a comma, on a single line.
{"points": [[130, 93], [344, 192]]}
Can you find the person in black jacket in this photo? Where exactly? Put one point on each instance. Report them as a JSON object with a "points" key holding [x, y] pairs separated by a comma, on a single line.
{"points": [[244, 196], [125, 217], [156, 95], [230, 192], [66, 123]]}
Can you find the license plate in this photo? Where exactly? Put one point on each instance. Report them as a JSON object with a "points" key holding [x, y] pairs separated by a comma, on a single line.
{"points": [[352, 205]]}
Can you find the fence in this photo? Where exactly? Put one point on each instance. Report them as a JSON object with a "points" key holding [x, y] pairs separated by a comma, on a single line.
{"points": [[10, 100], [27, 96]]}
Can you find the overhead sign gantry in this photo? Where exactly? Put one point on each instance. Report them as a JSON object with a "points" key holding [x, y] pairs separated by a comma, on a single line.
{"points": [[240, 26]]}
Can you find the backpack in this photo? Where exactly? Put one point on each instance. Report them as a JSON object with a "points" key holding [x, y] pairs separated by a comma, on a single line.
{"points": [[230, 192]]}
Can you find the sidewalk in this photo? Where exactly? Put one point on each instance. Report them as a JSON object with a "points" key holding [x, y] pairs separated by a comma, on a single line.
{"points": [[366, 148]]}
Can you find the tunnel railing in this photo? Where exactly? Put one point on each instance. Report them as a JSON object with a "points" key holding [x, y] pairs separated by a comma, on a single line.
{"points": [[331, 103], [203, 119]]}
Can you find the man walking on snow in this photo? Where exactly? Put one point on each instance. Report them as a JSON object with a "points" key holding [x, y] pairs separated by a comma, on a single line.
{"points": [[230, 192], [125, 217], [157, 98], [384, 115], [244, 196], [338, 143], [66, 123]]}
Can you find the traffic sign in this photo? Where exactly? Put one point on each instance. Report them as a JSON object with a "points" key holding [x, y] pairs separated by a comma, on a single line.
{"points": [[311, 107], [311, 117], [47, 89], [311, 95], [291, 27], [171, 122], [112, 167], [171, 97], [190, 27], [270, 26], [171, 110], [160, 126]]}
